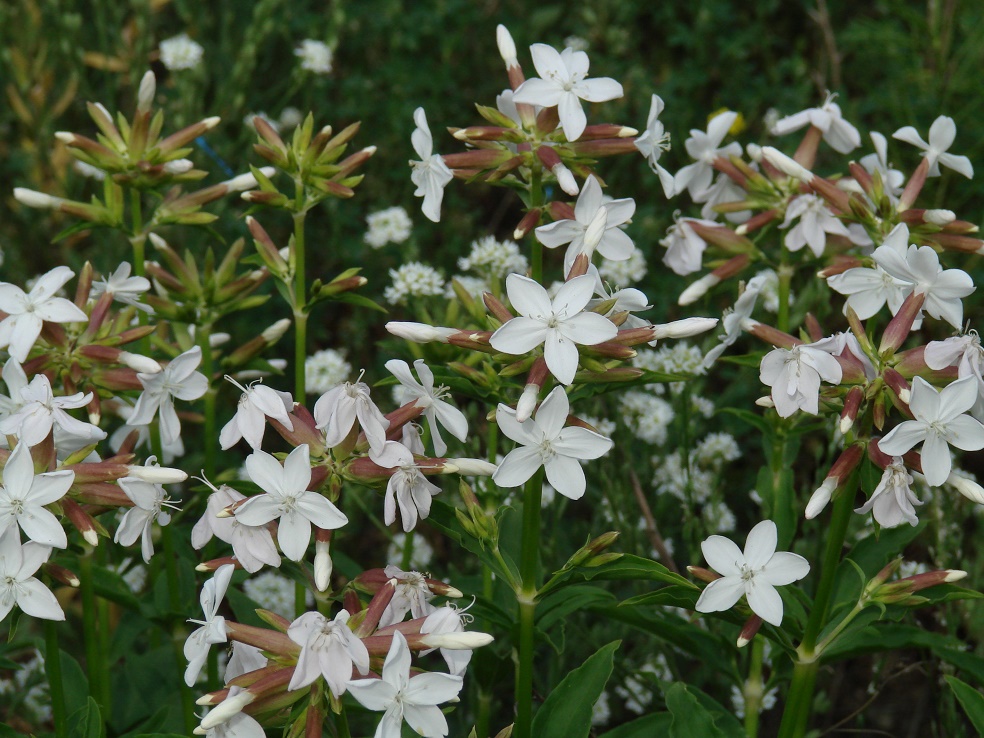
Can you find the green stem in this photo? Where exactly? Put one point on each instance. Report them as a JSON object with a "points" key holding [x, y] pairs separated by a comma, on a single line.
{"points": [[204, 335], [785, 277], [343, 725], [407, 551], [137, 237], [526, 597], [536, 201], [300, 308], [799, 703], [53, 669], [484, 719], [94, 654], [104, 632], [754, 688]]}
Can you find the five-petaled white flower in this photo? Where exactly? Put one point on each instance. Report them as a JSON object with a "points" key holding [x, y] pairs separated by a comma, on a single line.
{"points": [[18, 586], [941, 136], [412, 595], [892, 501], [252, 545], [255, 404], [149, 501], [867, 289], [337, 410], [179, 379], [24, 494], [288, 498], [815, 222], [436, 409], [329, 648], [544, 441], [653, 142], [794, 375], [431, 175], [754, 572], [967, 353], [735, 320], [26, 312], [841, 135], [407, 488], [40, 411], [213, 627], [892, 179], [684, 248], [562, 84], [449, 619], [939, 423], [123, 288], [705, 147], [596, 227], [403, 697], [559, 324]]}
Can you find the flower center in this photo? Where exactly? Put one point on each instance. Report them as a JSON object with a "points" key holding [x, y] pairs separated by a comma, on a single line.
{"points": [[747, 573]]}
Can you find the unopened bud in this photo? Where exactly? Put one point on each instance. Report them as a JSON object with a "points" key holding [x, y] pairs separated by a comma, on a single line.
{"points": [[852, 404], [684, 328], [939, 217], [35, 199], [526, 224], [464, 641], [145, 95], [140, 363], [788, 166], [821, 497], [246, 181], [474, 467], [749, 630], [595, 232], [228, 709], [967, 487], [276, 331], [698, 289], [420, 332], [704, 575], [527, 402], [765, 402], [507, 47], [565, 178], [322, 565], [179, 166], [157, 474]]}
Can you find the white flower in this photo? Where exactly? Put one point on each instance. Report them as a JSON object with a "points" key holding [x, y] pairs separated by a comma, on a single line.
{"points": [[288, 498], [684, 248], [816, 221], [893, 499], [544, 441], [653, 142], [252, 545], [413, 279], [754, 572], [868, 290], [404, 697], [735, 319], [26, 312], [941, 136], [315, 56], [391, 225], [892, 179], [966, 352], [180, 52], [213, 627], [705, 148], [272, 591], [494, 259], [239, 725], [412, 595], [560, 324], [339, 408], [723, 190], [647, 416], [431, 175], [17, 585], [562, 84], [595, 227], [794, 375], [123, 288], [436, 409], [179, 379], [449, 619], [24, 495], [939, 423], [256, 403], [624, 273], [149, 500], [329, 648], [407, 487], [40, 410], [841, 135], [324, 370]]}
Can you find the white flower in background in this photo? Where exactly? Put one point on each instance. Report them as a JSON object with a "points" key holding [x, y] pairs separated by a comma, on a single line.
{"points": [[124, 288], [735, 319], [339, 408], [545, 442], [684, 480], [562, 84], [680, 358], [868, 290], [716, 449], [560, 324], [149, 501], [794, 375], [474, 286], [421, 553], [26, 311], [402, 697], [576, 43], [595, 227], [39, 411], [392, 225], [290, 117], [767, 702], [754, 572], [892, 502], [684, 248], [24, 494], [704, 148], [723, 190], [256, 404], [647, 416], [325, 370], [180, 52], [213, 627], [601, 712], [941, 136], [329, 648], [272, 591], [252, 545], [653, 142], [239, 725], [815, 222], [431, 175], [178, 380], [939, 423], [315, 56], [29, 689], [494, 259], [965, 351], [625, 272], [412, 595], [718, 517], [413, 279], [892, 179], [18, 586], [425, 395], [841, 135], [288, 498], [170, 451], [249, 118]]}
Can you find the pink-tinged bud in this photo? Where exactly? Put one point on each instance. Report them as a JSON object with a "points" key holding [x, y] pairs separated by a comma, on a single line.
{"points": [[607, 130], [956, 242], [322, 564], [749, 630], [104, 121], [932, 578], [967, 487], [861, 176], [214, 564], [179, 138], [82, 520], [580, 268], [527, 223], [704, 575], [898, 384], [914, 186], [377, 605], [786, 165], [35, 199], [727, 167], [723, 237], [547, 120], [852, 403], [835, 197], [609, 350], [898, 328], [820, 498], [757, 221], [66, 576], [420, 332], [912, 362], [227, 709], [594, 149], [841, 469], [813, 328], [770, 335], [840, 265], [616, 374], [561, 211], [496, 308], [507, 47], [489, 133], [103, 494], [270, 199], [477, 159], [527, 402], [806, 152], [878, 457], [263, 638], [684, 328]]}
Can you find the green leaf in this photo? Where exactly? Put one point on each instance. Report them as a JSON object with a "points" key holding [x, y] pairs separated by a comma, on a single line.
{"points": [[673, 596], [658, 723], [626, 567], [566, 713], [359, 300], [86, 722], [970, 700], [696, 714]]}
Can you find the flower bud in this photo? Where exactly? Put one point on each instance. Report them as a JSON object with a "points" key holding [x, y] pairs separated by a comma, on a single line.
{"points": [[967, 487], [474, 467], [749, 630], [420, 332], [35, 199], [939, 217], [704, 575], [786, 165], [322, 564], [821, 497], [179, 166], [275, 332], [140, 363], [246, 181], [157, 474], [507, 47], [849, 414], [684, 328], [899, 326], [463, 641], [526, 224], [145, 95], [698, 289], [227, 709], [527, 402]]}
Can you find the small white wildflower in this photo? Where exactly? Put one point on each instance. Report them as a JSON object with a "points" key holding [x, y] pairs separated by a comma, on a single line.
{"points": [[420, 556], [601, 713], [647, 416], [180, 52], [315, 56], [413, 279], [494, 259], [673, 478], [577, 43], [325, 369], [702, 406], [718, 517], [474, 286], [290, 117], [274, 592], [392, 225], [624, 273], [716, 449]]}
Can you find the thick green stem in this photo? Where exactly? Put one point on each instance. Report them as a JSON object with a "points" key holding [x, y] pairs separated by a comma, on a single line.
{"points": [[785, 277], [754, 688], [796, 714], [343, 725], [204, 336], [484, 719], [526, 597], [94, 654], [300, 308], [53, 669], [536, 201], [407, 551]]}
